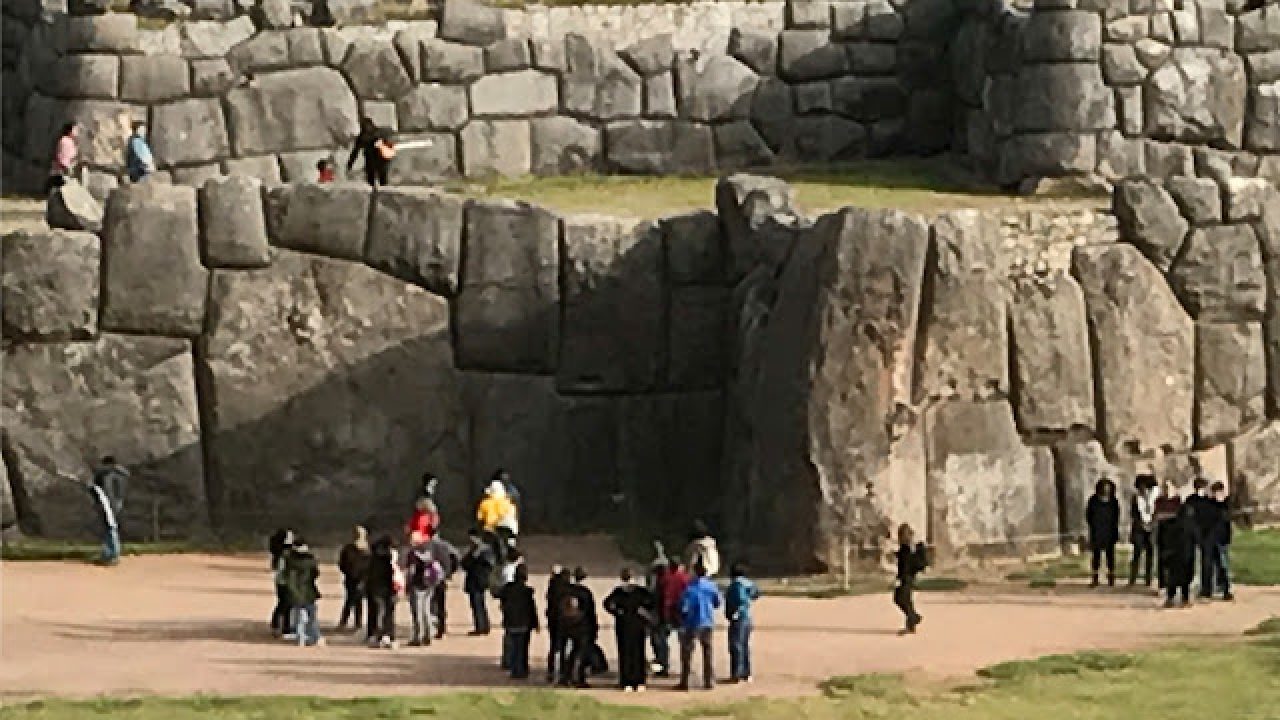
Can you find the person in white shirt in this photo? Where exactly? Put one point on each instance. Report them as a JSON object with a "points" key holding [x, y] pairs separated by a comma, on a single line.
{"points": [[1142, 516]]}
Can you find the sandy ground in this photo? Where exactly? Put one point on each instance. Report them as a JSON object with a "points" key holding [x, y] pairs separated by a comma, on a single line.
{"points": [[197, 623]]}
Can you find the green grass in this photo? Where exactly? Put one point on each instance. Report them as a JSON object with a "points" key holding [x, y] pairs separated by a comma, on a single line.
{"points": [[38, 550], [1240, 681], [1270, 626], [1255, 557]]}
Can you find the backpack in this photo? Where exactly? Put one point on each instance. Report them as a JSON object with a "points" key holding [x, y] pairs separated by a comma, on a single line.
{"points": [[570, 608], [425, 572]]}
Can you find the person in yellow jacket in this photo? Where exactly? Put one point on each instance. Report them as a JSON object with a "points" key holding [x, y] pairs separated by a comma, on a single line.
{"points": [[496, 509]]}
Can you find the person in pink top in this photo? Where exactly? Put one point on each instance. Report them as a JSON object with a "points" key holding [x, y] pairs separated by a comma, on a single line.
{"points": [[65, 154]]}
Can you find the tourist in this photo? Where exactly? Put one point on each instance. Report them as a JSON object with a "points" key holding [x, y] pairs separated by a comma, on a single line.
{"points": [[424, 575], [1204, 515], [672, 587], [448, 557], [138, 158], [65, 154], [495, 512], [429, 484], [1102, 516], [654, 581], [737, 609], [702, 550], [477, 564], [353, 563], [381, 585], [698, 607], [557, 586], [301, 573], [425, 520], [578, 622], [377, 146], [114, 479], [1142, 518], [1167, 507], [509, 525], [632, 607], [1176, 538], [1220, 537], [281, 617], [912, 559], [519, 619], [512, 561], [325, 172], [108, 520]]}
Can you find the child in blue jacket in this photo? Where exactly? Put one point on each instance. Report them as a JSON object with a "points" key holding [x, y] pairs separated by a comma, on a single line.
{"points": [[737, 608]]}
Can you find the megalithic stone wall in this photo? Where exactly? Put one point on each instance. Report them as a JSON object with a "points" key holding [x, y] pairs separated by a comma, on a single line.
{"points": [[300, 354]]}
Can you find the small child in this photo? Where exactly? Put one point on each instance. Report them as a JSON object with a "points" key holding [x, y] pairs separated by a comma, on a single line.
{"points": [[278, 544], [911, 562], [737, 608], [325, 172], [519, 619], [301, 573]]}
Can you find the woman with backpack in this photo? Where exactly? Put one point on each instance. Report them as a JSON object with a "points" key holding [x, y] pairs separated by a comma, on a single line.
{"points": [[421, 580]]}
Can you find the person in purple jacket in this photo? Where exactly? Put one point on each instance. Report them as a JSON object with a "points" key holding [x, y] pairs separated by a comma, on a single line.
{"points": [[698, 607]]}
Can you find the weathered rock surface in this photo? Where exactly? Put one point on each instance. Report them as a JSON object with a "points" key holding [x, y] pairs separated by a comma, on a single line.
{"points": [[153, 281], [1079, 468], [1255, 474], [447, 62], [1052, 365], [329, 220], [375, 70], [471, 23], [68, 404], [1143, 348], [760, 218], [188, 132], [612, 339], [433, 107], [433, 163], [72, 207], [50, 285], [507, 314], [329, 386], [563, 146], [520, 93], [496, 147], [1220, 276], [292, 109], [1064, 97], [1231, 380], [597, 83], [1198, 96], [416, 235], [696, 332], [1062, 36], [658, 147], [1149, 218], [233, 229], [714, 88]]}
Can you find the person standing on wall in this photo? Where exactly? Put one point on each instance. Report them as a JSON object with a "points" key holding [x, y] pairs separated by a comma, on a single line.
{"points": [[66, 151], [138, 158], [377, 146], [1142, 518], [1102, 515]]}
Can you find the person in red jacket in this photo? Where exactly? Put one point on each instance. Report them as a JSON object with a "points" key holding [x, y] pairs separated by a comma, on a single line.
{"points": [[425, 520], [669, 588]]}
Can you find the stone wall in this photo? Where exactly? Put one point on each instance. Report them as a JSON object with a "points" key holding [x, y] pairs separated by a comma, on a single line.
{"points": [[1153, 88]]}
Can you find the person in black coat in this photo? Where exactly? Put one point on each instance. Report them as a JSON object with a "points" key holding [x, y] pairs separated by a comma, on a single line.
{"points": [[581, 628], [561, 580], [1177, 554], [1102, 515], [1204, 526], [519, 618], [380, 594], [912, 559], [376, 145], [478, 565], [1220, 536], [632, 607]]}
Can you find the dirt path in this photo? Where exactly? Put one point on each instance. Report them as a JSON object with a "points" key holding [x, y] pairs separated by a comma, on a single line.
{"points": [[184, 624]]}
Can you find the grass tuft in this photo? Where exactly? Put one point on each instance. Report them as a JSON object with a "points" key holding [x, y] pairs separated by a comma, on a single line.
{"points": [[1270, 626], [1052, 665]]}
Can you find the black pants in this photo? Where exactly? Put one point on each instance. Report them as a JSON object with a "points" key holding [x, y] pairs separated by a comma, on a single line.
{"points": [[376, 171], [575, 667], [54, 182], [904, 596], [1143, 550], [688, 638], [555, 653], [382, 616], [280, 615], [353, 603], [1107, 551], [631, 662], [439, 608]]}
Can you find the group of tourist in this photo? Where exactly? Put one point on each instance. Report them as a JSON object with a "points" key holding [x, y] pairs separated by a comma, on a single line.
{"points": [[1167, 531]]}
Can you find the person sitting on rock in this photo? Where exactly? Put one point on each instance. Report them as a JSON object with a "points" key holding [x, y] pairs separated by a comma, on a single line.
{"points": [[65, 152], [377, 146], [325, 172]]}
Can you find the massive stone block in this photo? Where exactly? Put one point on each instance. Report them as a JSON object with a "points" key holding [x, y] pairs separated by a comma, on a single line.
{"points": [[433, 107], [154, 78], [375, 71], [987, 491], [1231, 380], [526, 92], [233, 228], [153, 281], [1262, 131], [507, 314], [1143, 348], [613, 338], [435, 162], [105, 127], [597, 83], [1198, 96], [416, 235], [82, 76], [328, 220], [653, 147], [496, 147], [328, 386], [1064, 97], [73, 207], [694, 249], [1149, 218], [563, 146], [470, 22], [1062, 36], [738, 145], [1079, 467], [696, 335], [1052, 364], [810, 55], [68, 404], [1220, 276], [447, 62], [187, 132], [715, 87], [1268, 229], [966, 344], [292, 110], [50, 285], [759, 216], [1255, 474], [652, 55]]}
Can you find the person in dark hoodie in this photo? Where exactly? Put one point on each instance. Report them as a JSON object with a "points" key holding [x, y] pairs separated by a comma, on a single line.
{"points": [[1102, 516], [581, 628], [301, 573], [278, 544], [478, 565], [377, 146], [1142, 527], [632, 607], [1203, 527], [353, 563], [1177, 554], [380, 586], [1221, 539], [557, 586], [912, 560], [519, 619]]}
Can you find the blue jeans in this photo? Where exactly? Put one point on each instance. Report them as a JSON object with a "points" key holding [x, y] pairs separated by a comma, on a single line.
{"points": [[308, 624], [515, 644], [479, 611], [1222, 568], [111, 545], [660, 639], [740, 649]]}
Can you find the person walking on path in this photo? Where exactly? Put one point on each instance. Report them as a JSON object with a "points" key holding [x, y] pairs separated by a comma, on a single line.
{"points": [[449, 558], [301, 574], [1102, 515], [632, 607], [581, 628], [478, 564], [381, 586], [353, 563], [742, 593], [107, 520], [377, 146], [557, 586], [1142, 519], [115, 481], [702, 549], [66, 152], [698, 607], [138, 158], [912, 559], [519, 620], [1220, 537]]}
